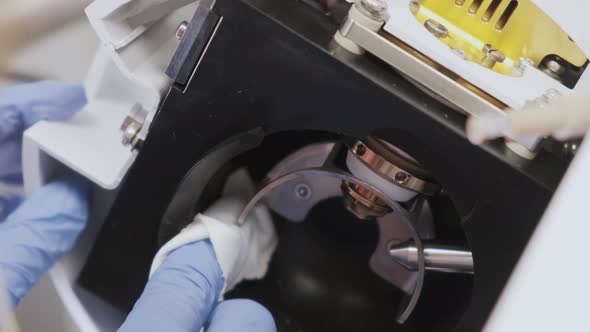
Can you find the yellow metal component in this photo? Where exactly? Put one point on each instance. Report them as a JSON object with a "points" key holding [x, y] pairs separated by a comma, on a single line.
{"points": [[518, 29]]}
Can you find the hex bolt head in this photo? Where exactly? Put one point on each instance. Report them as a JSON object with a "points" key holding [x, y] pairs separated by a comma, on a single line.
{"points": [[376, 9]]}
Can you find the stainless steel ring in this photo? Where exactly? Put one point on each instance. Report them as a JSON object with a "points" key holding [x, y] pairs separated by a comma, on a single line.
{"points": [[344, 176], [393, 173]]}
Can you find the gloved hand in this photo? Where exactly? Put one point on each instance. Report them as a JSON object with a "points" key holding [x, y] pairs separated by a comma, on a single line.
{"points": [[181, 297], [243, 252], [210, 256], [21, 106], [46, 226], [39, 232]]}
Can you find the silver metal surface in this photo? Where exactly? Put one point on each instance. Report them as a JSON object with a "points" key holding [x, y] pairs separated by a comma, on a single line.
{"points": [[429, 74], [362, 202], [303, 191], [283, 200], [405, 218], [181, 29], [132, 126], [393, 231], [436, 29], [387, 169], [491, 56], [375, 9], [555, 67], [437, 258], [130, 129], [391, 228]]}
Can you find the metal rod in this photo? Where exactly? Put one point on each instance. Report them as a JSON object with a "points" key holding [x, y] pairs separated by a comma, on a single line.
{"points": [[437, 258]]}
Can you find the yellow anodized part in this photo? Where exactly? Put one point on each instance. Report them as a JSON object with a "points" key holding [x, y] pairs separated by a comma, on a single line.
{"points": [[516, 28]]}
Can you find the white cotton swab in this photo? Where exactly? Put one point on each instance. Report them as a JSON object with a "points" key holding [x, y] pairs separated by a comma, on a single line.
{"points": [[563, 118]]}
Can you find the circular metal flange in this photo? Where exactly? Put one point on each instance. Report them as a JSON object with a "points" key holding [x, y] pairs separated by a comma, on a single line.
{"points": [[362, 202], [347, 177], [397, 174]]}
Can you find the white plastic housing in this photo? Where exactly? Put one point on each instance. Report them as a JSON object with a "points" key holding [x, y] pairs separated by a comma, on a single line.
{"points": [[123, 75]]}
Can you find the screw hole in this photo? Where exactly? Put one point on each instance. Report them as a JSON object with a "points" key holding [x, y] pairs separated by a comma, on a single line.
{"points": [[402, 177], [360, 150]]}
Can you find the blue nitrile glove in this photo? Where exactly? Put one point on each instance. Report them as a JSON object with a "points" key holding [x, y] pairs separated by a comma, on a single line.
{"points": [[21, 106], [182, 296], [240, 316], [39, 232], [46, 226]]}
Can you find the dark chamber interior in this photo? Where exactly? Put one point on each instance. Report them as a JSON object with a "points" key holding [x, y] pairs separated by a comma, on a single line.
{"points": [[319, 278]]}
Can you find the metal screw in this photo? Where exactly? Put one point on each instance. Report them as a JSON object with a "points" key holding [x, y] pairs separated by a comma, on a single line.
{"points": [[414, 6], [376, 9], [436, 29], [402, 177], [491, 56], [181, 29], [359, 149], [555, 67], [130, 129], [303, 191]]}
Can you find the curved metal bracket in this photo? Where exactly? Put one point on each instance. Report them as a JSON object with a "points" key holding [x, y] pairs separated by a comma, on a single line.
{"points": [[406, 218]]}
